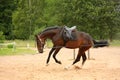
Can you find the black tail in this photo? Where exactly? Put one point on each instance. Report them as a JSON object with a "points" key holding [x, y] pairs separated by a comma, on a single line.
{"points": [[101, 43]]}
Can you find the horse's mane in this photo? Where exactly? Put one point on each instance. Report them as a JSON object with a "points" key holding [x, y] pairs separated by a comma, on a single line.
{"points": [[50, 28]]}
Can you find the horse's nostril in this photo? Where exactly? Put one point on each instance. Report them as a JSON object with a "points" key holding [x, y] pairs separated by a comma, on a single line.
{"points": [[41, 52]]}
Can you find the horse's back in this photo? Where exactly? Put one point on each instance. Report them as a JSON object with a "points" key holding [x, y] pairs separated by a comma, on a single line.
{"points": [[85, 38], [84, 35]]}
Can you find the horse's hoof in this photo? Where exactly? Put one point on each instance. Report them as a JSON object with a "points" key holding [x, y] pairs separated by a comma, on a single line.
{"points": [[59, 62], [47, 64]]}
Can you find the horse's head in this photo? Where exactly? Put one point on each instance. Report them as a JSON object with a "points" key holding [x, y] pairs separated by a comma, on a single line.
{"points": [[40, 43]]}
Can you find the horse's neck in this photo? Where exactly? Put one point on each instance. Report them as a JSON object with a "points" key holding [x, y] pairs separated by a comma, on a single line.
{"points": [[48, 34]]}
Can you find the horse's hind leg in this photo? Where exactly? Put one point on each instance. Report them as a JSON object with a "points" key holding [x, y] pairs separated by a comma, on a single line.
{"points": [[51, 51], [54, 55], [78, 57], [84, 58]]}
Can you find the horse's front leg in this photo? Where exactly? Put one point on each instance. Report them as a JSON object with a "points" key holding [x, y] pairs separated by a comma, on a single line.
{"points": [[51, 51], [54, 55]]}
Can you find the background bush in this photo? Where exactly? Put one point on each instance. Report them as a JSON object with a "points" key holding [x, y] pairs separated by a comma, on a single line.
{"points": [[10, 46], [2, 37]]}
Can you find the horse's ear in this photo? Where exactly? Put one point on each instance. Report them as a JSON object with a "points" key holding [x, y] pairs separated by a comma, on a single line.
{"points": [[36, 36]]}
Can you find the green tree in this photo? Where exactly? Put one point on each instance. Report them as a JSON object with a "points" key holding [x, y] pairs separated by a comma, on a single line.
{"points": [[97, 17], [6, 9], [27, 17], [2, 37], [100, 18]]}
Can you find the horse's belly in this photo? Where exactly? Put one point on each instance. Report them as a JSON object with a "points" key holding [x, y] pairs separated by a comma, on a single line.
{"points": [[72, 45]]}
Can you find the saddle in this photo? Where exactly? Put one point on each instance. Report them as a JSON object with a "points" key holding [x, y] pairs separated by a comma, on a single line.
{"points": [[69, 33]]}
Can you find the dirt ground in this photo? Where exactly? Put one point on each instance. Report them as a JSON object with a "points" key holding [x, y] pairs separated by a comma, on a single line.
{"points": [[104, 65]]}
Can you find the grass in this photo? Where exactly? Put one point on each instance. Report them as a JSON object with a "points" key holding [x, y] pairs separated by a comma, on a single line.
{"points": [[115, 43], [49, 43], [21, 47], [8, 51], [22, 43]]}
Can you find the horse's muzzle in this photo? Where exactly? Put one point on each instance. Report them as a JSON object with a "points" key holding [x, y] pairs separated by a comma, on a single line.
{"points": [[41, 51]]}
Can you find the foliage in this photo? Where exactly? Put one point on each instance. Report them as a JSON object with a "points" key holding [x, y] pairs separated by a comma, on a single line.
{"points": [[10, 46], [115, 43], [18, 51], [20, 48], [37, 31], [25, 18], [98, 17], [2, 37], [6, 9]]}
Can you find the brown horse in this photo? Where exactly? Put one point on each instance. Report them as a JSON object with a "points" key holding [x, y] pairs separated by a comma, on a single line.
{"points": [[83, 41]]}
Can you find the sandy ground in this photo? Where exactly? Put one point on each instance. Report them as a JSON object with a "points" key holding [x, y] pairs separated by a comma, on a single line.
{"points": [[104, 65]]}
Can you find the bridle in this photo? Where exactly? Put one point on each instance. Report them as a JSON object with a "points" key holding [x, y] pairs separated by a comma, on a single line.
{"points": [[42, 43]]}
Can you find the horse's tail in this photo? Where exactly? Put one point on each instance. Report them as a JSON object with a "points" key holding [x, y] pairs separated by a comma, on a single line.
{"points": [[102, 43], [94, 43]]}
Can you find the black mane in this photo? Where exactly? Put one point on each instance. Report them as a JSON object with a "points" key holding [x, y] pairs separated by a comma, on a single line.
{"points": [[50, 28]]}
